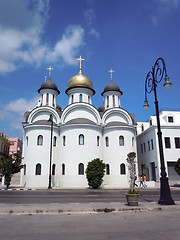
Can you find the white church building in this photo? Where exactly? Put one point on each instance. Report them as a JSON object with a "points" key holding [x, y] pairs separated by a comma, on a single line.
{"points": [[80, 133]]}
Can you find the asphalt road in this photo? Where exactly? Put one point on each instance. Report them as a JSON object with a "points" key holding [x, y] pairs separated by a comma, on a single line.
{"points": [[120, 226], [77, 196]]}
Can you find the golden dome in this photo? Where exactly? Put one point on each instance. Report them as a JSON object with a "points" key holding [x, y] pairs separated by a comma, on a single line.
{"points": [[80, 80]]}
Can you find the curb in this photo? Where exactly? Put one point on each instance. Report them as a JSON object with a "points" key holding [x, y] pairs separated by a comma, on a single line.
{"points": [[94, 208]]}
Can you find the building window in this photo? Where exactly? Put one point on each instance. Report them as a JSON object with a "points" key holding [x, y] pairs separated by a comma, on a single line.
{"points": [[141, 148], [119, 101], [150, 122], [152, 144], [122, 169], [113, 101], [54, 141], [24, 169], [80, 98], [40, 140], [107, 101], [47, 98], [107, 141], [98, 138], [81, 139], [63, 169], [144, 147], [64, 140], [26, 141], [149, 145], [38, 169], [177, 142], [53, 100], [53, 169], [132, 141], [167, 142], [142, 128], [89, 99], [81, 169], [107, 169], [121, 141], [72, 98], [170, 119]]}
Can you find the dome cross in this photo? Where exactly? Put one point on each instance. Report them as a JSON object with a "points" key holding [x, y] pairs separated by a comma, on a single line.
{"points": [[80, 60], [111, 71], [50, 69]]}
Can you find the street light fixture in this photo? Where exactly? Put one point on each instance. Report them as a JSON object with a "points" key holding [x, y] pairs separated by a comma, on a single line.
{"points": [[152, 79], [50, 120]]}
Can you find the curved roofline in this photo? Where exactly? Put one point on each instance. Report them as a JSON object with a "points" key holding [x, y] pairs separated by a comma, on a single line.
{"points": [[80, 87]]}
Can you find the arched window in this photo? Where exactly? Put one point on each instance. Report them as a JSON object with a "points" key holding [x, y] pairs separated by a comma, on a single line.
{"points": [[107, 169], [38, 169], [121, 141], [80, 98], [53, 100], [72, 98], [54, 141], [119, 101], [64, 140], [24, 169], [113, 101], [81, 169], [53, 169], [132, 141], [47, 98], [107, 141], [122, 169], [40, 140], [63, 169], [98, 138], [89, 99], [107, 101], [81, 139], [26, 141]]}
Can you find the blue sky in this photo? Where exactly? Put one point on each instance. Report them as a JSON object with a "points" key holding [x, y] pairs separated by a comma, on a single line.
{"points": [[125, 35]]}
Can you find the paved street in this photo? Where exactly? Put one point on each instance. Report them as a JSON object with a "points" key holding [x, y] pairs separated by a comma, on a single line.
{"points": [[123, 225], [78, 196]]}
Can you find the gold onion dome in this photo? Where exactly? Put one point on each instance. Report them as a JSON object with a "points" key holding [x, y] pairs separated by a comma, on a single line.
{"points": [[80, 80]]}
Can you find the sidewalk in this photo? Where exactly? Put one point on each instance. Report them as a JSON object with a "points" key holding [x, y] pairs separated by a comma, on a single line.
{"points": [[72, 208]]}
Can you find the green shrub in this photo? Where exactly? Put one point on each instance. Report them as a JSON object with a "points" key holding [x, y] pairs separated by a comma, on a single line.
{"points": [[95, 172], [177, 166]]}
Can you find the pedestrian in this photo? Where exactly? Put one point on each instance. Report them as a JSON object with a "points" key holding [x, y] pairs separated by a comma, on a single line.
{"points": [[144, 183], [134, 183], [141, 181]]}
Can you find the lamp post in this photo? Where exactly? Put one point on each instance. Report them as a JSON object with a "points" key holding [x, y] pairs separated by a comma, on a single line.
{"points": [[50, 120], [152, 79]]}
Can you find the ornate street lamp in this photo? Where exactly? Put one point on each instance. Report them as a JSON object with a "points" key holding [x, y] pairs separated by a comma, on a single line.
{"points": [[153, 78], [50, 120]]}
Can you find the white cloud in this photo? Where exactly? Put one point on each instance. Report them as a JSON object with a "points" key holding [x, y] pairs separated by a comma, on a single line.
{"points": [[21, 105], [95, 33], [162, 8], [68, 45], [14, 111], [21, 30], [89, 16]]}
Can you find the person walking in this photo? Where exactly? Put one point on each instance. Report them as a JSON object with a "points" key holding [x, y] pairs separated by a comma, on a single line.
{"points": [[141, 181], [134, 183]]}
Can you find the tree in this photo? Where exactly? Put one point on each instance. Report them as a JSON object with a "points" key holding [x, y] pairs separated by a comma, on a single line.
{"points": [[95, 172], [177, 166], [132, 169], [9, 166]]}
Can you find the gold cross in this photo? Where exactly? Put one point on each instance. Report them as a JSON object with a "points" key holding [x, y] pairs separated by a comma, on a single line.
{"points": [[111, 71], [50, 69], [80, 60]]}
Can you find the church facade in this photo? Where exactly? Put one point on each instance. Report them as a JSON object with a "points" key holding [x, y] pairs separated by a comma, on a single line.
{"points": [[80, 133]]}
